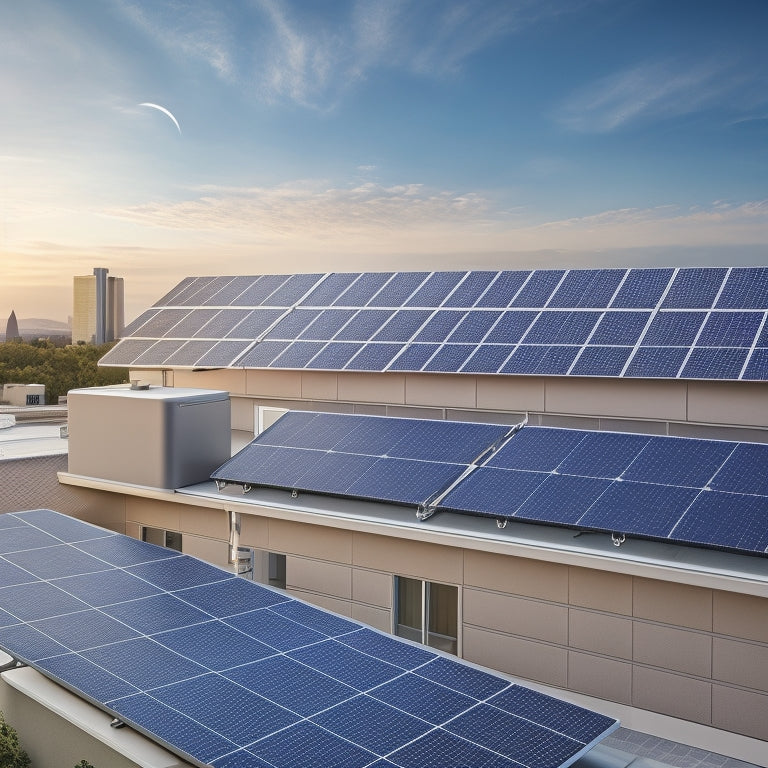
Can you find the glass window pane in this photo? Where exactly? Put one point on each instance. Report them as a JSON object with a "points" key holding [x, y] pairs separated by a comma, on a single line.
{"points": [[408, 608], [442, 602], [173, 540]]}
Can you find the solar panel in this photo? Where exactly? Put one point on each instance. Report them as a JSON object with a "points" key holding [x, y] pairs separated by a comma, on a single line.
{"points": [[403, 461], [253, 675], [669, 318]]}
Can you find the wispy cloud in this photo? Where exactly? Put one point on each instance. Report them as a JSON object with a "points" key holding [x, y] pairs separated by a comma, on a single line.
{"points": [[651, 91], [283, 51]]}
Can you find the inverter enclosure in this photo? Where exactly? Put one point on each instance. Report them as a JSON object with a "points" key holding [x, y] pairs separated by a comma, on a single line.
{"points": [[161, 437]]}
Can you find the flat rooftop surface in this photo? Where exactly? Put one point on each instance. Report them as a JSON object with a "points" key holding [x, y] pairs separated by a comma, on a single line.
{"points": [[32, 439]]}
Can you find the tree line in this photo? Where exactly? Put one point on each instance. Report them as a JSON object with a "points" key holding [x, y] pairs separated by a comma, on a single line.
{"points": [[58, 368]]}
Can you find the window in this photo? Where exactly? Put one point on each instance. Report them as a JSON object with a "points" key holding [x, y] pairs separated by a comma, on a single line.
{"points": [[266, 416], [170, 539], [262, 567], [427, 613]]}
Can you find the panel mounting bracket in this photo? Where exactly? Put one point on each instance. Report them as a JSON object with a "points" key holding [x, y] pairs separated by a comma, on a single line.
{"points": [[618, 539]]}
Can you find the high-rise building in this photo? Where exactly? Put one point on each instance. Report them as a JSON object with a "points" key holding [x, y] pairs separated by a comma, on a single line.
{"points": [[98, 308], [12, 328]]}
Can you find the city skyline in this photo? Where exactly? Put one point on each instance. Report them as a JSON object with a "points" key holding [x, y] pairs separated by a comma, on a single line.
{"points": [[363, 135]]}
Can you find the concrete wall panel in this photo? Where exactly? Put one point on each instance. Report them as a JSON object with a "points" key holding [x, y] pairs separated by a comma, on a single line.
{"points": [[670, 603], [597, 676]]}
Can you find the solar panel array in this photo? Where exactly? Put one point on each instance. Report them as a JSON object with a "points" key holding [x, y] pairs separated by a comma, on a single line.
{"points": [[697, 323], [406, 461], [710, 493], [231, 674]]}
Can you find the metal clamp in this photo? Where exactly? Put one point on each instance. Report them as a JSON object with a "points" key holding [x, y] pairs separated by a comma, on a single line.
{"points": [[618, 539]]}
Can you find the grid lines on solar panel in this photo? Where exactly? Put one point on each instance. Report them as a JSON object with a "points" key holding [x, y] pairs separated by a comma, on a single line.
{"points": [[327, 698], [467, 304]]}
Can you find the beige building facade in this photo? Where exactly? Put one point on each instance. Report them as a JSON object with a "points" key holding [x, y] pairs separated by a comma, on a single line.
{"points": [[672, 640], [98, 308]]}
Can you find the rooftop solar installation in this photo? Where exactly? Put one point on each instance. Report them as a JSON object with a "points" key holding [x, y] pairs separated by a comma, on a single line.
{"points": [[225, 672], [707, 493], [695, 323]]}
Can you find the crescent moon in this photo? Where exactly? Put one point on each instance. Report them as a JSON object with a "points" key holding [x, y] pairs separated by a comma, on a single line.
{"points": [[164, 111]]}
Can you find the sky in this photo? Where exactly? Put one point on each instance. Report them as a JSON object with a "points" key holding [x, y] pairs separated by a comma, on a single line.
{"points": [[351, 135]]}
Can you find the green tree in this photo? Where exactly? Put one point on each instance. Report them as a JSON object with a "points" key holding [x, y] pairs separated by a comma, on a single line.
{"points": [[84, 764], [11, 753], [58, 368]]}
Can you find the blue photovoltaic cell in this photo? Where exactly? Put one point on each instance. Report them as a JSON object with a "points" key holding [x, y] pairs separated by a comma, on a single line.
{"points": [[38, 600], [328, 290], [601, 361], [562, 499], [373, 357], [510, 328], [225, 353], [214, 645], [413, 358], [678, 461], [694, 288], [291, 685], [263, 354], [603, 454], [656, 362], [562, 716], [503, 289], [230, 292], [402, 481], [364, 325], [642, 288], [474, 327], [536, 359], [132, 327], [298, 354], [158, 353], [363, 289], [436, 289], [190, 291], [555, 327], [24, 538], [450, 357], [229, 597], [293, 324], [403, 325], [440, 326], [730, 329], [162, 323], [125, 352], [258, 294], [620, 328], [673, 329], [293, 290], [513, 736], [267, 682], [333, 473], [175, 291], [11, 575], [487, 358], [372, 724], [745, 288], [398, 289], [493, 492], [539, 449], [304, 744], [617, 509], [714, 363], [253, 325], [190, 352], [537, 291], [335, 355], [409, 696], [470, 289], [587, 288], [327, 324], [744, 471], [727, 520]]}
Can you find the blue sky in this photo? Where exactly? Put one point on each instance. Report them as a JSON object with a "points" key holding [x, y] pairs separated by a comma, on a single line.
{"points": [[374, 134]]}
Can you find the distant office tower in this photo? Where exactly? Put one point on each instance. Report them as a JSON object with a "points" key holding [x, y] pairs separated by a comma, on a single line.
{"points": [[98, 308], [12, 329]]}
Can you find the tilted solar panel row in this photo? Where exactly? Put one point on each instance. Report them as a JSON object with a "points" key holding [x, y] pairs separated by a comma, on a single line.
{"points": [[710, 493], [230, 674], [702, 323]]}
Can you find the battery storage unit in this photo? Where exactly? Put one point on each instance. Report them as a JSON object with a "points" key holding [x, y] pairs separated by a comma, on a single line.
{"points": [[161, 437]]}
